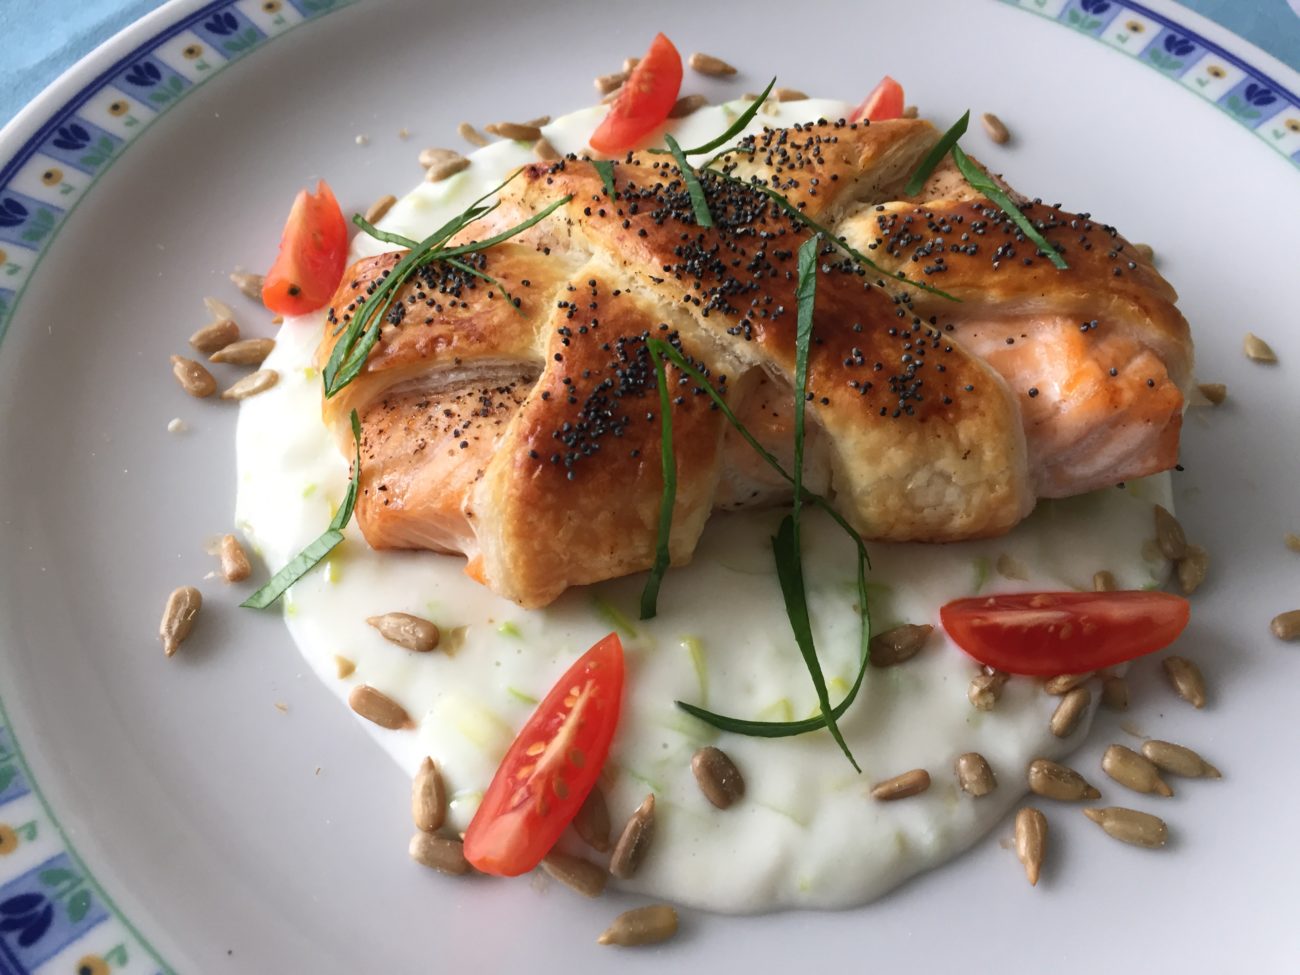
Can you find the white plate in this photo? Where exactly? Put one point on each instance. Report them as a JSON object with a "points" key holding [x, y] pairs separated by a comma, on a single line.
{"points": [[212, 832]]}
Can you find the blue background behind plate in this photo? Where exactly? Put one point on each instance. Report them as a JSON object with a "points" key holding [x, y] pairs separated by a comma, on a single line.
{"points": [[39, 39]]}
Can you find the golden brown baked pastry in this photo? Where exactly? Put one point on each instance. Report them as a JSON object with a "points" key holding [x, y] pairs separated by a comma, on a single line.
{"points": [[529, 440]]}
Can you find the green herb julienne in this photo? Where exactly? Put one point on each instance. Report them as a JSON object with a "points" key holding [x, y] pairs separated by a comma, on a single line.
{"points": [[349, 354], [980, 180], [839, 242], [698, 203], [606, 170], [785, 545], [309, 557], [936, 154], [650, 594]]}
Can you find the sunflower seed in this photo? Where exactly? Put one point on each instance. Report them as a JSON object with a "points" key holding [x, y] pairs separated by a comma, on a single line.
{"points": [[251, 385], [629, 64], [606, 83], [718, 777], [647, 925], [1131, 826], [910, 783], [687, 105], [1135, 771], [1216, 393], [986, 688], [379, 208], [1060, 782], [428, 797], [217, 308], [789, 95], [911, 111], [576, 873], [178, 617], [1146, 251], [445, 170], [1169, 534], [343, 667], [995, 128], [539, 121], [1291, 541], [1114, 693], [975, 775], [406, 630], [543, 150], [707, 64], [1178, 760], [1286, 626], [1191, 569], [250, 285], [515, 130], [1258, 350], [1011, 568], [214, 336], [439, 852], [1064, 683], [245, 352], [234, 563], [634, 841], [900, 644], [376, 706], [592, 821], [1186, 679], [471, 135], [1070, 711], [1031, 841], [1103, 581], [194, 379], [432, 156]]}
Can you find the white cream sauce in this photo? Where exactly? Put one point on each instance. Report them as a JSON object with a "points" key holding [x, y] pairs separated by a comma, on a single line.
{"points": [[807, 833]]}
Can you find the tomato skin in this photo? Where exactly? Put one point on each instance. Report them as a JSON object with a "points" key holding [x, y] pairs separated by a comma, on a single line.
{"points": [[885, 102], [644, 101], [524, 811], [1042, 634], [313, 255]]}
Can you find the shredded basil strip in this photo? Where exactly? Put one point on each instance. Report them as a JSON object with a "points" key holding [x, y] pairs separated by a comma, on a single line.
{"points": [[511, 300], [370, 230], [309, 557], [606, 170], [979, 180], [349, 354], [839, 242], [693, 187], [650, 594], [785, 545], [738, 126], [936, 154]]}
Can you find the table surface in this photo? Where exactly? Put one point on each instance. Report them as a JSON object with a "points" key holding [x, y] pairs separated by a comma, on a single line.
{"points": [[43, 38]]}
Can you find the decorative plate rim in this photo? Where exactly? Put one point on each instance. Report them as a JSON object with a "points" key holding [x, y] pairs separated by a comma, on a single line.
{"points": [[51, 906]]}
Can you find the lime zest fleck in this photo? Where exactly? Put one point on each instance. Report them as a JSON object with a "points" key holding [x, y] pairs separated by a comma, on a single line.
{"points": [[614, 616]]}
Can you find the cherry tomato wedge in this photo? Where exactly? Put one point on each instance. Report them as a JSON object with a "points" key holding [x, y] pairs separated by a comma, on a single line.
{"points": [[884, 102], [313, 255], [551, 767], [1042, 634], [644, 101]]}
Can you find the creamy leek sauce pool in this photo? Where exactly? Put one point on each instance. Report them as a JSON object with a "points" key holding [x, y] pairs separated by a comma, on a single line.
{"points": [[807, 833]]}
